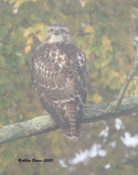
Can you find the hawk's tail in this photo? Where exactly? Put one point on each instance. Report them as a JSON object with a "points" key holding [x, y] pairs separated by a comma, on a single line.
{"points": [[73, 132]]}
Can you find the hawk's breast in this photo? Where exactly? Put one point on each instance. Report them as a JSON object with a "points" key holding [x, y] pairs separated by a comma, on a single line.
{"points": [[60, 72]]}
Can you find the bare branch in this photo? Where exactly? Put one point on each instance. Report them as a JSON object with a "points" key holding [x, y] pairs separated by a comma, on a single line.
{"points": [[43, 124], [129, 78]]}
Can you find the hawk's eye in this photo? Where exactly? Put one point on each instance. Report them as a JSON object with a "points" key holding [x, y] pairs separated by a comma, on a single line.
{"points": [[50, 30], [64, 31]]}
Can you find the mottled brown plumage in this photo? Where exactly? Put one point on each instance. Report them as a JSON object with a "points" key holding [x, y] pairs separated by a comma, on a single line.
{"points": [[59, 76]]}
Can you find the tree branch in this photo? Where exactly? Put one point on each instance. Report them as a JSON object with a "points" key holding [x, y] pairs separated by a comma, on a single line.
{"points": [[44, 123]]}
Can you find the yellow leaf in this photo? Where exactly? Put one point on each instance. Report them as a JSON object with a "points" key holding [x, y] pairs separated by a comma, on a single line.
{"points": [[35, 29], [88, 29], [27, 49], [29, 41], [97, 98], [114, 74], [106, 43], [40, 37], [20, 2], [122, 78]]}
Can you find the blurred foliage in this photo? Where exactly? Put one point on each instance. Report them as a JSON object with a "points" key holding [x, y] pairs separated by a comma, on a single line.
{"points": [[104, 30]]}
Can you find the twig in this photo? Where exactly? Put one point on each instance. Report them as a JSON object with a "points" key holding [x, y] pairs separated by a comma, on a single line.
{"points": [[129, 78]]}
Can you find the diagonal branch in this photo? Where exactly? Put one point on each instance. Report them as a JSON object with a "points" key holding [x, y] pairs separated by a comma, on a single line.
{"points": [[43, 124], [129, 78]]}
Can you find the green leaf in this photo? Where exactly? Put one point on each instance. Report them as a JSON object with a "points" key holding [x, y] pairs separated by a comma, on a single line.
{"points": [[20, 58], [3, 32]]}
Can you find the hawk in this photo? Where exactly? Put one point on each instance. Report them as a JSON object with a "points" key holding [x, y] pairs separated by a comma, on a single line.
{"points": [[59, 76]]}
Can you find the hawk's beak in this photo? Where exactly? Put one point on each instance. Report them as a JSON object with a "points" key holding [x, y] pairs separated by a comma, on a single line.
{"points": [[56, 32]]}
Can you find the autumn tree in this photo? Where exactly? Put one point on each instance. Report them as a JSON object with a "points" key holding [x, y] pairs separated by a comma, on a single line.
{"points": [[105, 31]]}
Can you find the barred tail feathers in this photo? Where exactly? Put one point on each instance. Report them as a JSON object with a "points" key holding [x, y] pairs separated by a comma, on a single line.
{"points": [[74, 124]]}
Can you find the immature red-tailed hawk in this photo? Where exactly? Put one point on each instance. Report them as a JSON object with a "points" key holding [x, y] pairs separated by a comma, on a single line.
{"points": [[59, 76]]}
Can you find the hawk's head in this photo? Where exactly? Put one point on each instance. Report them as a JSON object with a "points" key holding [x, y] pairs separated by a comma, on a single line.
{"points": [[58, 33]]}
